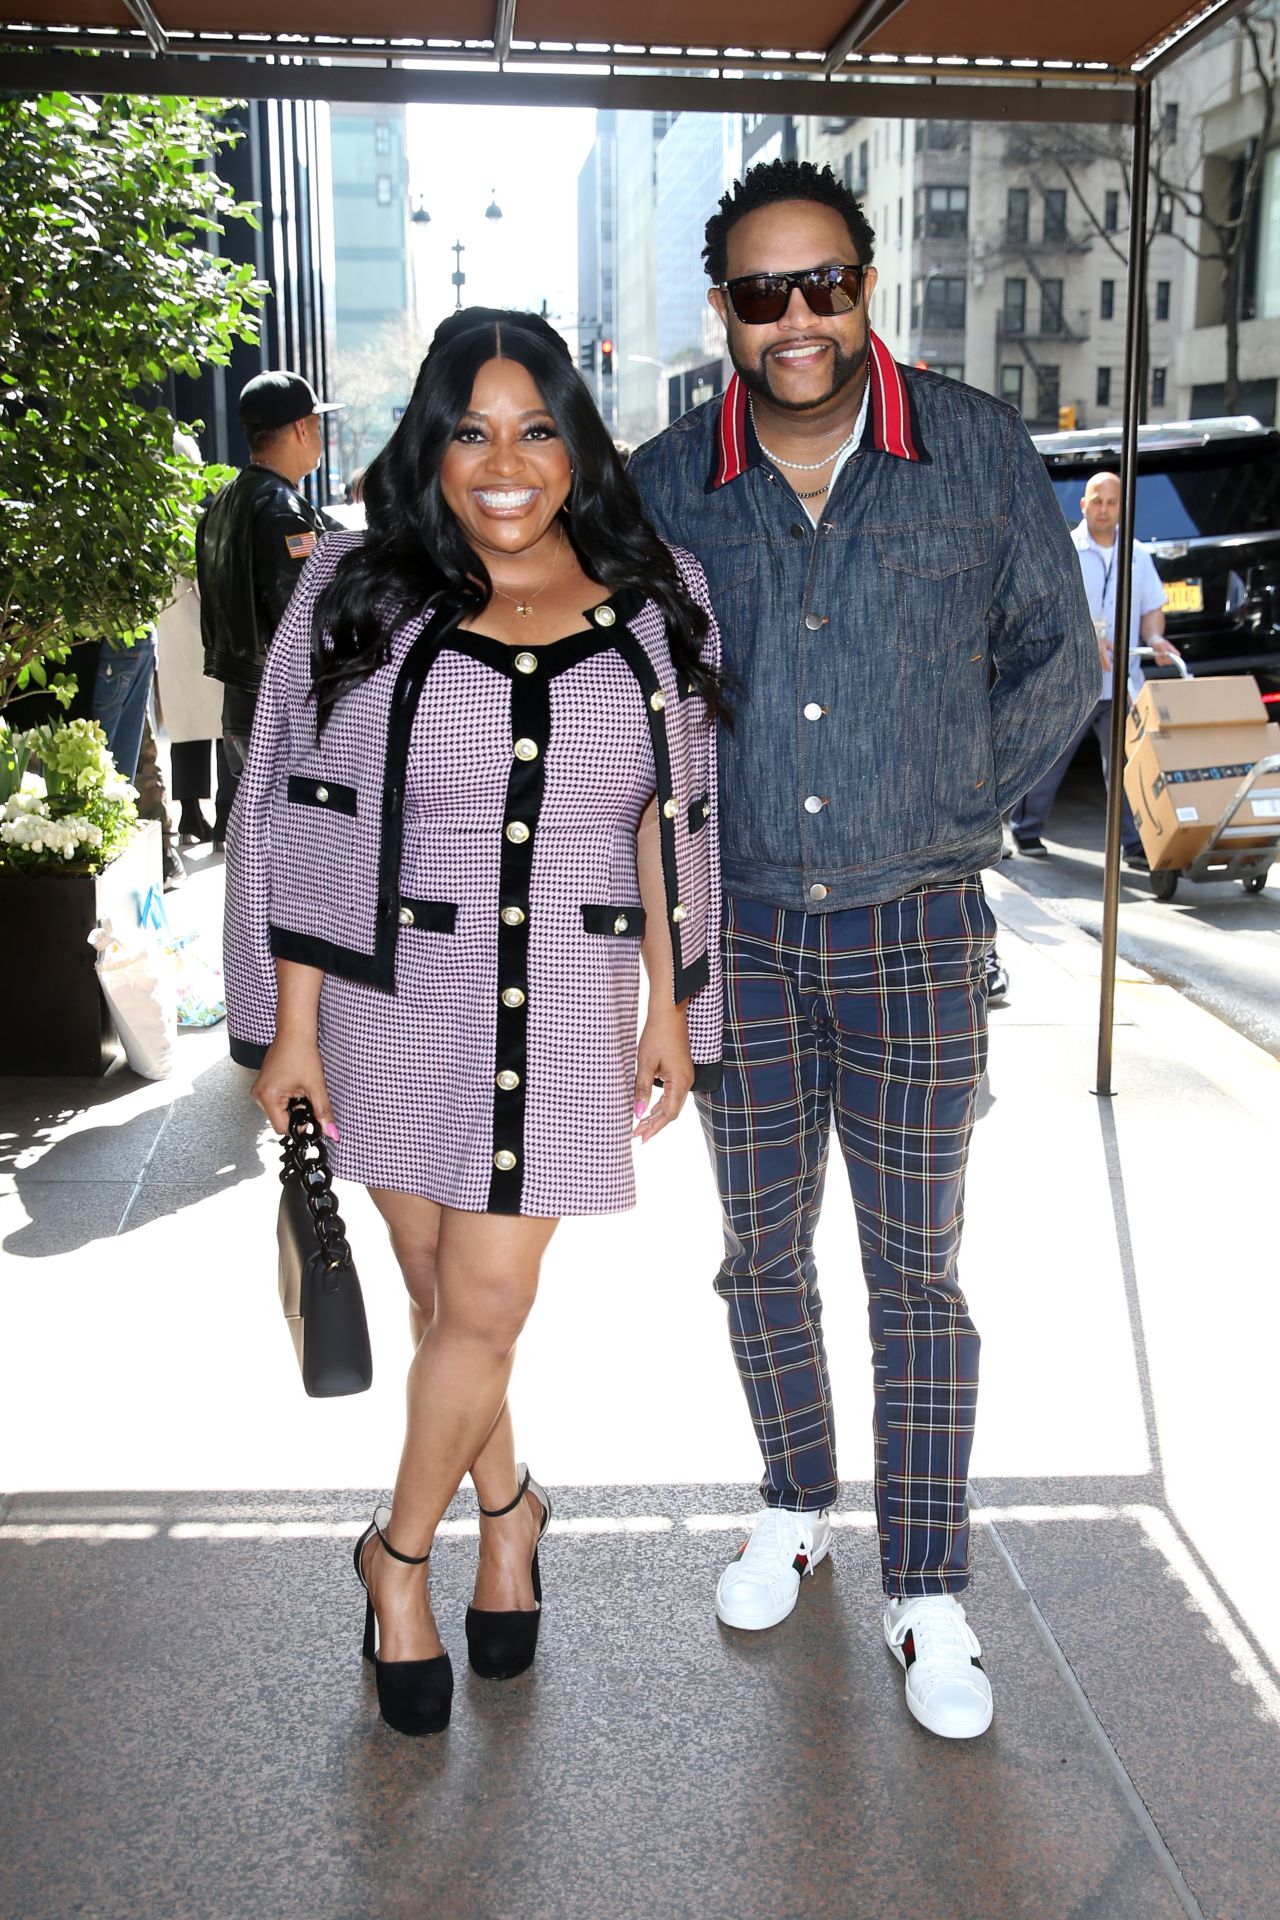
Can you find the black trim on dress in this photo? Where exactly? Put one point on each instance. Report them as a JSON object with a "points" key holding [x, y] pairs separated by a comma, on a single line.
{"points": [[531, 721], [687, 979], [302, 791], [426, 916], [621, 922]]}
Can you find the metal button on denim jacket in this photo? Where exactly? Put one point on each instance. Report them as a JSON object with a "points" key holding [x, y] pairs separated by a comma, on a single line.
{"points": [[900, 674]]}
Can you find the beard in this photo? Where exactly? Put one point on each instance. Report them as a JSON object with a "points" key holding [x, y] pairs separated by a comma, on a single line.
{"points": [[845, 367]]}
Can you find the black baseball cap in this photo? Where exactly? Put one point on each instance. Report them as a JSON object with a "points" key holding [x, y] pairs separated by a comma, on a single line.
{"points": [[277, 399]]}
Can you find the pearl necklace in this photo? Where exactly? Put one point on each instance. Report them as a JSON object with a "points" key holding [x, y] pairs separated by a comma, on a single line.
{"points": [[802, 466]]}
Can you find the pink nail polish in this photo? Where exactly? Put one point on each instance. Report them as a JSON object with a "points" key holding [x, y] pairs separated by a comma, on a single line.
{"points": [[331, 1132], [639, 1109]]}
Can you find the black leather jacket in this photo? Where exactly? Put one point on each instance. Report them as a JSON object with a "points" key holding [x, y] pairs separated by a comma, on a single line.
{"points": [[251, 542]]}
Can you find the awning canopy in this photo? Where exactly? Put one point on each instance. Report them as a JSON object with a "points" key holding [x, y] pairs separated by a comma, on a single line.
{"points": [[824, 44]]}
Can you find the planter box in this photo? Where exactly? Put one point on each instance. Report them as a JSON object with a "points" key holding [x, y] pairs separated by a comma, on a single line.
{"points": [[53, 1018]]}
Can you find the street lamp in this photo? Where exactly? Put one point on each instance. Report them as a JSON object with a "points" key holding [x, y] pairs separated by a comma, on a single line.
{"points": [[493, 211], [420, 217]]}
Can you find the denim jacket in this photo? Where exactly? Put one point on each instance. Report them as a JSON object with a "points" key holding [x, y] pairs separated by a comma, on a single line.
{"points": [[898, 675]]}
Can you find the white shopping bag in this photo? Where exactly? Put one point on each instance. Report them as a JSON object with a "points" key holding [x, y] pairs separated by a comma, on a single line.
{"points": [[140, 987]]}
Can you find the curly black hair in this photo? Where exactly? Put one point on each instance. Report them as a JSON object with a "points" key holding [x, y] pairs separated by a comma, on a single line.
{"points": [[783, 180]]}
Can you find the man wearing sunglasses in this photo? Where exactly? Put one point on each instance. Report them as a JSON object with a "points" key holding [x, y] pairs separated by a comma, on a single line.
{"points": [[907, 649]]}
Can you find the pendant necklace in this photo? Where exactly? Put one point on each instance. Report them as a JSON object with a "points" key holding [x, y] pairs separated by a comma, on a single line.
{"points": [[524, 607]]}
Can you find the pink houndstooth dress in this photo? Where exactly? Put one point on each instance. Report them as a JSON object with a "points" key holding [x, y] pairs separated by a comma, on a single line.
{"points": [[478, 1013]]}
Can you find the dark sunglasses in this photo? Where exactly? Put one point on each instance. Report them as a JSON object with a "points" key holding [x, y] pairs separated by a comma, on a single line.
{"points": [[758, 298]]}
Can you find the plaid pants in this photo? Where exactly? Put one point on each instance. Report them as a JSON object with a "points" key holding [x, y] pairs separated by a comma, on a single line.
{"points": [[879, 1012]]}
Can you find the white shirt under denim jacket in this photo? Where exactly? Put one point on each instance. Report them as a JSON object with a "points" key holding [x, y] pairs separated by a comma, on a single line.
{"points": [[1099, 571]]}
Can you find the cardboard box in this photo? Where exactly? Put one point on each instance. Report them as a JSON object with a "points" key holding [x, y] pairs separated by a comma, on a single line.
{"points": [[1179, 781], [1225, 700]]}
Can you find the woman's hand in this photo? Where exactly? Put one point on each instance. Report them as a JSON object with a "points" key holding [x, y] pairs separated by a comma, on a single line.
{"points": [[663, 1054], [293, 1067]]}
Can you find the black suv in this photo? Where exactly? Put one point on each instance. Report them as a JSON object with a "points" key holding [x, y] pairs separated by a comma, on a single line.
{"points": [[1208, 512]]}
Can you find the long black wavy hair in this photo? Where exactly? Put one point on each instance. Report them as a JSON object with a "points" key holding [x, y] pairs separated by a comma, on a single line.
{"points": [[415, 554]]}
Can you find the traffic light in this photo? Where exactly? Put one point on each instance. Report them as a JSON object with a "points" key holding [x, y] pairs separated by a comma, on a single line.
{"points": [[587, 355], [606, 358], [1066, 419]]}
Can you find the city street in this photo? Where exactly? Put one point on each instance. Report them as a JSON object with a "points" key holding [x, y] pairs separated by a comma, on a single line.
{"points": [[1217, 944]]}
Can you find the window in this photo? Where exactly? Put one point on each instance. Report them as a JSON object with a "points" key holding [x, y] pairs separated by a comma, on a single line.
{"points": [[862, 166], [1111, 212], [384, 189], [1107, 300], [1055, 213], [944, 303], [897, 308], [1164, 217], [1103, 394], [381, 137], [1158, 375], [899, 219], [947, 213], [848, 169], [1015, 306], [1048, 387], [1051, 306], [1171, 120], [1162, 299], [950, 370], [1011, 386], [1017, 216]]}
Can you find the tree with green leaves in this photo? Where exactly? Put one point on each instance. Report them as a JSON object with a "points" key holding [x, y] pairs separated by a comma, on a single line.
{"points": [[108, 209]]}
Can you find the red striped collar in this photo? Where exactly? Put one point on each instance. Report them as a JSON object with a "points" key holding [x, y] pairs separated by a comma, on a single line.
{"points": [[892, 428]]}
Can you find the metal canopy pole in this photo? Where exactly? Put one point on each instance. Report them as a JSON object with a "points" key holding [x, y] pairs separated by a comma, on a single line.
{"points": [[1134, 400]]}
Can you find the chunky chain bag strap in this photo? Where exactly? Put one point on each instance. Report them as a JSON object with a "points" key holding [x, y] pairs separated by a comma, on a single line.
{"points": [[319, 1287]]}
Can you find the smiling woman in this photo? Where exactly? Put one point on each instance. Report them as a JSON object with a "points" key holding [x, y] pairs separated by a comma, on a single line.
{"points": [[481, 788]]}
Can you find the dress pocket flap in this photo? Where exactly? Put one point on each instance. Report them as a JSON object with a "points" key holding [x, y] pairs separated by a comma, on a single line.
{"points": [[624, 922], [427, 916], [303, 791]]}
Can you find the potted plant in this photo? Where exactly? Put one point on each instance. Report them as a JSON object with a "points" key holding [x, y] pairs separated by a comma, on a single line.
{"points": [[111, 282], [72, 853]]}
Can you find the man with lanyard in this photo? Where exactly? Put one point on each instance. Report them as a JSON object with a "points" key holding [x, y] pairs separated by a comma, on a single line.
{"points": [[907, 649], [1096, 543], [251, 543]]}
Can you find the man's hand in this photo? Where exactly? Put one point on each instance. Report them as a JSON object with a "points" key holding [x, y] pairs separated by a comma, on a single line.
{"points": [[1165, 651]]}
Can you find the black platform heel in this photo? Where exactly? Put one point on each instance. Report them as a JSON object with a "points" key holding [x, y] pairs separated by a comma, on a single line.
{"points": [[414, 1696], [501, 1645]]}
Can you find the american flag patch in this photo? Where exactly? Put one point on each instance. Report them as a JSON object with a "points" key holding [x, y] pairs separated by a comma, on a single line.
{"points": [[299, 544]]}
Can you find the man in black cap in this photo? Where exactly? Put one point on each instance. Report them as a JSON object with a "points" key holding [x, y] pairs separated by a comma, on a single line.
{"points": [[251, 543]]}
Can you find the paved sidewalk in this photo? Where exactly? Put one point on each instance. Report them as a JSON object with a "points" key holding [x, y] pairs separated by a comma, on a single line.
{"points": [[189, 1732]]}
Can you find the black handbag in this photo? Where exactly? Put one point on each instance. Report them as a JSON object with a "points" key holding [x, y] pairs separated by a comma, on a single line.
{"points": [[319, 1286]]}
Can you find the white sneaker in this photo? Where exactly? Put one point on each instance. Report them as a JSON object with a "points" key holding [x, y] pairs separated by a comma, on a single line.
{"points": [[760, 1585], [947, 1690]]}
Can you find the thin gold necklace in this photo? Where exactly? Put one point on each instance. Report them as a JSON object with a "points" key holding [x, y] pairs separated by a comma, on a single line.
{"points": [[524, 607]]}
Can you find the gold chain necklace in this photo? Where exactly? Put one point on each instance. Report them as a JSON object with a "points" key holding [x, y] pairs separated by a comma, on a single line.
{"points": [[524, 607]]}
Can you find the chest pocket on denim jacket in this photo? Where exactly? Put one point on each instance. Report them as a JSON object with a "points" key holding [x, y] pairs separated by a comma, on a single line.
{"points": [[937, 584]]}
